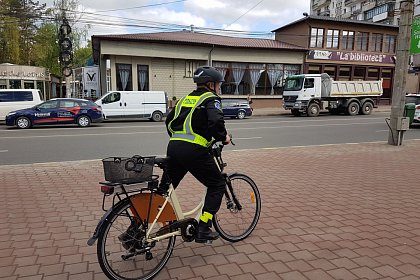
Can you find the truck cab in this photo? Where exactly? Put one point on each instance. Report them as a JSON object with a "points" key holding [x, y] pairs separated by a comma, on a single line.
{"points": [[299, 90]]}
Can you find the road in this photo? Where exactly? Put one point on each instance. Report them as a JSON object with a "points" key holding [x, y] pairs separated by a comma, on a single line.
{"points": [[70, 143]]}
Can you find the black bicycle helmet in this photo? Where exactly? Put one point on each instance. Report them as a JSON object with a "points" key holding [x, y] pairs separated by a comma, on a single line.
{"points": [[205, 74]]}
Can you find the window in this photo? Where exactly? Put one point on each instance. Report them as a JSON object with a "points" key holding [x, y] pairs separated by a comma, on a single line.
{"points": [[344, 74], [373, 73], [124, 77], [3, 84], [330, 70], [362, 41], [67, 104], [190, 67], [112, 97], [143, 77], [29, 84], [359, 73], [49, 105], [332, 39], [317, 38], [314, 69], [389, 43], [309, 83], [376, 44], [9, 96], [15, 84], [347, 40]]}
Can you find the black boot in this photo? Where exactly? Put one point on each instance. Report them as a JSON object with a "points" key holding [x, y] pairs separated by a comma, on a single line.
{"points": [[205, 234]]}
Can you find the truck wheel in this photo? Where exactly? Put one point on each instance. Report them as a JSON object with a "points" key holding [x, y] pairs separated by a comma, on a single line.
{"points": [[296, 112], [313, 110], [157, 116], [353, 109], [367, 108]]}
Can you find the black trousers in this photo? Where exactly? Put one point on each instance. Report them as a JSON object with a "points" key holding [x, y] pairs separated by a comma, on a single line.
{"points": [[193, 158]]}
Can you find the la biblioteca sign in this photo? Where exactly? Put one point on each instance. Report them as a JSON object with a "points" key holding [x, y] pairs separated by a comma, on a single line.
{"points": [[351, 56]]}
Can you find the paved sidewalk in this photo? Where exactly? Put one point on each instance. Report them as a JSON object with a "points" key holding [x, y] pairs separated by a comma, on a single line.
{"points": [[329, 212]]}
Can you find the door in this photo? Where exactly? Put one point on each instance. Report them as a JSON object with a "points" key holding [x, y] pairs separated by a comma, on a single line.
{"points": [[112, 105], [67, 111], [46, 113], [133, 104], [309, 88]]}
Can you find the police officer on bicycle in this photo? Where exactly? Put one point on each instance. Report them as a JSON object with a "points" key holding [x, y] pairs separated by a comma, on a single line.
{"points": [[195, 121]]}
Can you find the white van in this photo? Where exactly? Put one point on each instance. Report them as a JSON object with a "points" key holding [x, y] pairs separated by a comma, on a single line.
{"points": [[134, 104], [16, 99]]}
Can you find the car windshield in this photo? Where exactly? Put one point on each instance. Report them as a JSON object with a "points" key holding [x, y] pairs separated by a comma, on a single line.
{"points": [[293, 84]]}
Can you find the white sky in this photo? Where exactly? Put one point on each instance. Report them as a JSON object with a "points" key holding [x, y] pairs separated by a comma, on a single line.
{"points": [[221, 14]]}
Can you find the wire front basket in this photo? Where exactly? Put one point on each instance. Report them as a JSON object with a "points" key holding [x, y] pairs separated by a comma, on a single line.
{"points": [[127, 170]]}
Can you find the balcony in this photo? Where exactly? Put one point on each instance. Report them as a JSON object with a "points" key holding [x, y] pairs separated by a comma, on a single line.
{"points": [[325, 13], [368, 6]]}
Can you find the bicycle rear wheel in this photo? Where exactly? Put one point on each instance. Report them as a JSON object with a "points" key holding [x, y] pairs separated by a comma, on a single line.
{"points": [[123, 252], [236, 220]]}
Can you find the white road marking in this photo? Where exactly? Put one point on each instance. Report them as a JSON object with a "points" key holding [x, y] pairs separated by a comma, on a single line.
{"points": [[382, 130], [164, 132], [248, 138], [4, 151]]}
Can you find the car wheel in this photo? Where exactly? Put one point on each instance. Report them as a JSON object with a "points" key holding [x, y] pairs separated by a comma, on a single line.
{"points": [[23, 122], [83, 121], [157, 116], [241, 115]]}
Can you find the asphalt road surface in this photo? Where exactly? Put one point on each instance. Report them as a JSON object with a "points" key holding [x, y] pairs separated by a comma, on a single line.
{"points": [[71, 143]]}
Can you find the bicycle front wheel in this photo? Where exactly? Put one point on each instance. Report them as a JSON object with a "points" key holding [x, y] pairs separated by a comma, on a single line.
{"points": [[240, 210], [124, 253]]}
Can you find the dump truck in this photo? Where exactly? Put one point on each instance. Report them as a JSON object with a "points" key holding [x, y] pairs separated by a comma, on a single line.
{"points": [[310, 93]]}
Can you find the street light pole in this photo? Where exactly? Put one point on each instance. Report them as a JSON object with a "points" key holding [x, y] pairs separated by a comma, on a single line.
{"points": [[396, 132]]}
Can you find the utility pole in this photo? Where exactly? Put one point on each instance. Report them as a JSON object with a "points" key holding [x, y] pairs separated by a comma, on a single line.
{"points": [[397, 123]]}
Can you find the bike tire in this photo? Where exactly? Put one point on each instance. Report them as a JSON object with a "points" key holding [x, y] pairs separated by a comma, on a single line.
{"points": [[235, 225], [110, 249]]}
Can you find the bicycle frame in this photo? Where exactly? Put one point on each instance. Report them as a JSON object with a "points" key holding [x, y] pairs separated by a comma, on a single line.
{"points": [[173, 199]]}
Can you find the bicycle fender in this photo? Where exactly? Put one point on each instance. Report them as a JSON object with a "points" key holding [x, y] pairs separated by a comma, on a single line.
{"points": [[102, 222]]}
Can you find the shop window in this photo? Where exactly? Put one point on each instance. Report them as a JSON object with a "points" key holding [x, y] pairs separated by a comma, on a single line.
{"points": [[344, 74], [15, 84], [330, 70], [386, 73], [332, 38], [40, 87], [314, 69], [389, 43], [143, 77], [317, 38], [3, 84], [376, 43], [359, 73], [124, 77], [29, 84], [362, 41], [347, 40], [373, 73]]}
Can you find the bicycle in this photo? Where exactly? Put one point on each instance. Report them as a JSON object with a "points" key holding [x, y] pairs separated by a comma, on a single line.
{"points": [[137, 235]]}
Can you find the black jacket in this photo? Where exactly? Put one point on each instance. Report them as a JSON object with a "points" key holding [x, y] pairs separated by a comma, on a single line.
{"points": [[207, 119]]}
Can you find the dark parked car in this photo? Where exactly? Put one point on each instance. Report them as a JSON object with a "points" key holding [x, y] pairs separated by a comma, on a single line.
{"points": [[57, 111], [236, 108]]}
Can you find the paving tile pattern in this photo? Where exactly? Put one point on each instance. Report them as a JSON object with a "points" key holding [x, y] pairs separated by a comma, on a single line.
{"points": [[329, 212]]}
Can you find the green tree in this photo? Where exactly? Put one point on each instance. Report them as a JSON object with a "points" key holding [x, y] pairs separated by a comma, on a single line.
{"points": [[46, 50], [82, 55]]}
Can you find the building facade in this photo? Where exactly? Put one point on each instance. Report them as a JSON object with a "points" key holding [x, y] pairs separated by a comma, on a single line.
{"points": [[14, 76], [167, 61], [380, 11], [345, 49]]}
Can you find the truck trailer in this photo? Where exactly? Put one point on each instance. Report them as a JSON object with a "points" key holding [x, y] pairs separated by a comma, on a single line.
{"points": [[310, 93]]}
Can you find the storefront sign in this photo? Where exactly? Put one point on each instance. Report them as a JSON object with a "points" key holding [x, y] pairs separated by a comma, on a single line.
{"points": [[350, 56], [12, 72], [91, 81]]}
